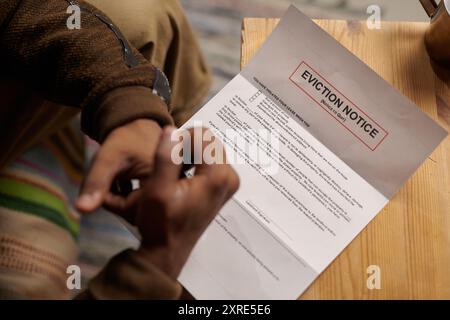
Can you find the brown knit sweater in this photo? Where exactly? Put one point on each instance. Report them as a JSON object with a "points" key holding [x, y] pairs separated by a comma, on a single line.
{"points": [[95, 69], [78, 68]]}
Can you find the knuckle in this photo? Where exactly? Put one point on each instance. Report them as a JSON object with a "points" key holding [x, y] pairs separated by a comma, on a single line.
{"points": [[234, 182], [218, 180], [163, 157], [158, 200], [225, 180], [103, 158]]}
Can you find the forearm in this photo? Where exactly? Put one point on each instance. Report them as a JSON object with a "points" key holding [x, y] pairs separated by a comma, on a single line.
{"points": [[79, 68]]}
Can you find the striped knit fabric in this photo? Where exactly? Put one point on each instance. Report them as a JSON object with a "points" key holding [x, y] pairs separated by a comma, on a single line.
{"points": [[39, 226], [44, 181]]}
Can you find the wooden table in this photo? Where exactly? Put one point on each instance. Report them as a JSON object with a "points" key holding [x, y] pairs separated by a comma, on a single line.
{"points": [[410, 239]]}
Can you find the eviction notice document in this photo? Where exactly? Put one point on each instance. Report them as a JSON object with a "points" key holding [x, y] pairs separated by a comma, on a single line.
{"points": [[321, 143]]}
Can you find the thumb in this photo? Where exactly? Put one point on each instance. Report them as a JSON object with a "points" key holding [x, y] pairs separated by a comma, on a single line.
{"points": [[96, 186]]}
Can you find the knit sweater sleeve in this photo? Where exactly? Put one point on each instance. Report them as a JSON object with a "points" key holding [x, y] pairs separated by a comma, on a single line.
{"points": [[93, 67], [129, 275]]}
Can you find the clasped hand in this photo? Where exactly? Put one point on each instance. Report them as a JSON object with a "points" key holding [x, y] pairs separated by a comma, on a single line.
{"points": [[170, 212]]}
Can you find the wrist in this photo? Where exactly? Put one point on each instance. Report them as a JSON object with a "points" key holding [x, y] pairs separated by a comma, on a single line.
{"points": [[143, 126], [121, 106], [162, 258]]}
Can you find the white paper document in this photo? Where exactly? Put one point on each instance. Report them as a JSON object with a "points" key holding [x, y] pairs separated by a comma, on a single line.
{"points": [[337, 143]]}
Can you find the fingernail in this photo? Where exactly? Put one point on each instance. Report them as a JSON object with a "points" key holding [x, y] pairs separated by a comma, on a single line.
{"points": [[167, 134], [169, 130], [88, 200]]}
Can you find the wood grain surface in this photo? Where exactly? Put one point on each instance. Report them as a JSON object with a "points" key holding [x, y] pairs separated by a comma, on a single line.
{"points": [[410, 238]]}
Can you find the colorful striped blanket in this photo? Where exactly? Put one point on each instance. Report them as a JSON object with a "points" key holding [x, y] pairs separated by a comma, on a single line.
{"points": [[41, 233]]}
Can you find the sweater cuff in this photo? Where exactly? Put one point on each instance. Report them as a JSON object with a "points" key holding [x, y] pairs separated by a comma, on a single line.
{"points": [[121, 106], [129, 275]]}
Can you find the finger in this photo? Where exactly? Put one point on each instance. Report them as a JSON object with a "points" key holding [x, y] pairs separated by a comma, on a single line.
{"points": [[222, 180], [167, 169], [205, 147], [211, 162], [221, 177], [105, 167], [210, 190], [124, 207]]}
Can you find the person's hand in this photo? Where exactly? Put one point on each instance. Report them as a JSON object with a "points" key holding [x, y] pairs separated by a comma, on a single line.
{"points": [[172, 213], [127, 153]]}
